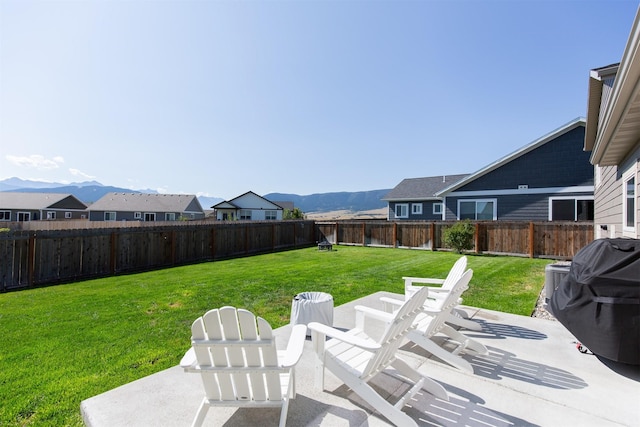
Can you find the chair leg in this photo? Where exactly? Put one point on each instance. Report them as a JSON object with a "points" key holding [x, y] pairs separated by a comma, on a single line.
{"points": [[469, 344], [366, 392], [283, 412], [201, 414], [463, 323], [439, 352], [429, 385]]}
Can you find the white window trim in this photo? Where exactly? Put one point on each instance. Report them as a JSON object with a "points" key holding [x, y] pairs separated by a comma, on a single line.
{"points": [[575, 208], [110, 214], [151, 215], [271, 214], [68, 215], [406, 209], [51, 215], [26, 215], [439, 206], [416, 208], [495, 206], [6, 216], [169, 216], [630, 173], [137, 215]]}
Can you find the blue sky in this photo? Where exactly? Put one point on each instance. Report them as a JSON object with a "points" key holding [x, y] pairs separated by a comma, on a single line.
{"points": [[222, 97]]}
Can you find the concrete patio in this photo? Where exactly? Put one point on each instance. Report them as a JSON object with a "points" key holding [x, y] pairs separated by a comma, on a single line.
{"points": [[532, 376]]}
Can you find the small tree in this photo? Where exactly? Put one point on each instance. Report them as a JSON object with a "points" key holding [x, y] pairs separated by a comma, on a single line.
{"points": [[459, 236], [296, 213]]}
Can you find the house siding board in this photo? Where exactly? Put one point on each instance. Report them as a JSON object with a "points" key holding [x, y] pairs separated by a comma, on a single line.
{"points": [[545, 166], [427, 211], [525, 207]]}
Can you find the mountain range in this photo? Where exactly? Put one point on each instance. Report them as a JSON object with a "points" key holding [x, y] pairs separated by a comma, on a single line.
{"points": [[90, 191]]}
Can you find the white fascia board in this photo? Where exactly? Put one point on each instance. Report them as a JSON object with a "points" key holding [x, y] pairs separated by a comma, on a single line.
{"points": [[414, 199], [625, 87], [515, 191], [579, 121]]}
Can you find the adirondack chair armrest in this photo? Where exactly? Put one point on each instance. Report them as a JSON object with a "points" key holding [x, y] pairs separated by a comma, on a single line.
{"points": [[295, 346], [189, 359], [391, 304], [373, 313], [325, 330], [424, 280]]}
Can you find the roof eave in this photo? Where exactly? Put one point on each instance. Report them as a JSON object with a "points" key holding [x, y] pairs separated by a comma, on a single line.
{"points": [[625, 89]]}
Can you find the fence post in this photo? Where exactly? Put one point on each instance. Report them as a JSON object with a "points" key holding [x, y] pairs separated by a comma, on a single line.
{"points": [[364, 234], [395, 234], [433, 236], [112, 252], [31, 266], [213, 242], [173, 246], [477, 237], [532, 240]]}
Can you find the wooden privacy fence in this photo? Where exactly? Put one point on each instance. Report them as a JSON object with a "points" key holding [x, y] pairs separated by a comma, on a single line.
{"points": [[34, 258], [557, 240]]}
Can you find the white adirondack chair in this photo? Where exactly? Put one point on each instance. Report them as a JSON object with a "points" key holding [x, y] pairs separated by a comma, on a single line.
{"points": [[457, 317], [355, 358], [432, 321], [236, 355]]}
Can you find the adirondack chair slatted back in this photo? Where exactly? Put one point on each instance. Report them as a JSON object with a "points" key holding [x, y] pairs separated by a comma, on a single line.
{"points": [[237, 354], [431, 324], [454, 274], [395, 332]]}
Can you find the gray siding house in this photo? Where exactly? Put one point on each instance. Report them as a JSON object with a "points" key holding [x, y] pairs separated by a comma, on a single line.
{"points": [[248, 207], [549, 179], [613, 138], [415, 198], [15, 206], [146, 207]]}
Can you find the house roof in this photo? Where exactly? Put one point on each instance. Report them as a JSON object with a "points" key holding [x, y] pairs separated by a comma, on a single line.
{"points": [[37, 201], [614, 130], [421, 188], [580, 121], [144, 202], [240, 202]]}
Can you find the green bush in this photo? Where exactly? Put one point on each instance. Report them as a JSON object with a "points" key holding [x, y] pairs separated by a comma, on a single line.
{"points": [[459, 236]]}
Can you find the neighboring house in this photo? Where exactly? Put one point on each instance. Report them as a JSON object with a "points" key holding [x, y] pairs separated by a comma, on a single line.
{"points": [[145, 207], [415, 198], [549, 179], [40, 206], [250, 207], [613, 137]]}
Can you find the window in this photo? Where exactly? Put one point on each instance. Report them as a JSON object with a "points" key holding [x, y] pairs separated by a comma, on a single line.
{"points": [[68, 215], [245, 214], [571, 209], [24, 216], [5, 215], [402, 210], [150, 216], [169, 216], [481, 209], [270, 215], [437, 208], [51, 215], [137, 215], [109, 216], [416, 208], [629, 201]]}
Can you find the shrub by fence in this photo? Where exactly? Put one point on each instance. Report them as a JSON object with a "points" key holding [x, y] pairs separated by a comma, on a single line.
{"points": [[558, 240], [34, 258]]}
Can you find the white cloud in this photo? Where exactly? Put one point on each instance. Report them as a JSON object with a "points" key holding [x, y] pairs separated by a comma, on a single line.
{"points": [[76, 172], [35, 161]]}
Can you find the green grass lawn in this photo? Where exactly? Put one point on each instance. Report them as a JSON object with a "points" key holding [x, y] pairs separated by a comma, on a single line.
{"points": [[62, 344]]}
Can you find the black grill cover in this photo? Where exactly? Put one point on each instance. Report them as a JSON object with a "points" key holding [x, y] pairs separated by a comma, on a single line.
{"points": [[599, 300]]}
